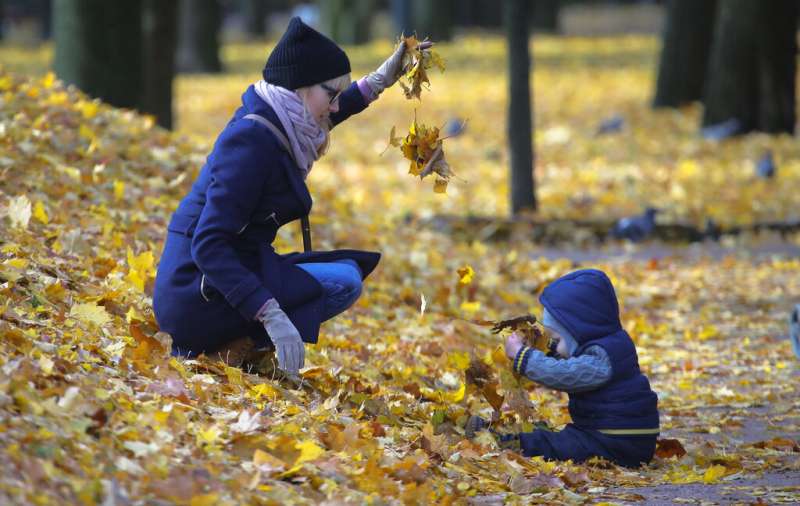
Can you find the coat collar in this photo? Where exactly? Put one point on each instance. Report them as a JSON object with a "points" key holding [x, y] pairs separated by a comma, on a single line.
{"points": [[253, 104]]}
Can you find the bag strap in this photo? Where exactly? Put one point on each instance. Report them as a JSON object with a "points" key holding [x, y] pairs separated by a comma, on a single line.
{"points": [[305, 226]]}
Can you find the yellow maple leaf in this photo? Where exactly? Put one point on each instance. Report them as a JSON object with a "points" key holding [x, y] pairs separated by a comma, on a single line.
{"points": [[48, 80], [714, 473], [119, 189], [40, 213], [88, 109], [209, 435], [459, 359], [90, 312], [471, 306], [55, 291], [465, 275], [309, 450], [234, 375], [141, 268], [454, 396], [210, 499], [262, 390]]}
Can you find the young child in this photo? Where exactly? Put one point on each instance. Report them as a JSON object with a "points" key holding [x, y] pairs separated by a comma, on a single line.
{"points": [[614, 411]]}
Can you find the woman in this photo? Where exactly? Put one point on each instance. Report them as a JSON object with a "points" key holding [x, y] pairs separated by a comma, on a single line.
{"points": [[220, 284]]}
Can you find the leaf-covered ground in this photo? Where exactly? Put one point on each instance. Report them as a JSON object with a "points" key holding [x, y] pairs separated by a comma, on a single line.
{"points": [[92, 407]]}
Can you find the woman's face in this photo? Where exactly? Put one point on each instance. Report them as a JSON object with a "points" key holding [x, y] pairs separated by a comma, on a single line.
{"points": [[322, 100]]}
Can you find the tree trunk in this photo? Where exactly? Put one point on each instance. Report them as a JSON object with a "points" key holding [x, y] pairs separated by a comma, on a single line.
{"points": [[478, 13], [519, 124], [433, 19], [44, 13], [688, 29], [346, 21], [160, 23], [255, 14], [401, 17], [198, 44], [753, 66], [98, 48], [545, 16]]}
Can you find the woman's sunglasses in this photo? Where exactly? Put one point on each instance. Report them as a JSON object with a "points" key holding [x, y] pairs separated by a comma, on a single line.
{"points": [[333, 93]]}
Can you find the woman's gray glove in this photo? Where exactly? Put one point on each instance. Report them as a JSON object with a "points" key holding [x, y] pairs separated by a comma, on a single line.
{"points": [[390, 70], [288, 344]]}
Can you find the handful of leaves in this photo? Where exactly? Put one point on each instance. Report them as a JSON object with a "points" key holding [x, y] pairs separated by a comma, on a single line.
{"points": [[423, 148], [526, 327], [417, 60]]}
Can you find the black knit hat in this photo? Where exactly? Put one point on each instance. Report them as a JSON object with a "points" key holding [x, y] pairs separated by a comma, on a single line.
{"points": [[304, 57]]}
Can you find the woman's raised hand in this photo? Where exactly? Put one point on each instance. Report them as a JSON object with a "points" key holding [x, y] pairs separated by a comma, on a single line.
{"points": [[390, 70]]}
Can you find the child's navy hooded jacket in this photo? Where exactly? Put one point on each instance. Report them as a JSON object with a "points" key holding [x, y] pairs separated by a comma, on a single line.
{"points": [[584, 302]]}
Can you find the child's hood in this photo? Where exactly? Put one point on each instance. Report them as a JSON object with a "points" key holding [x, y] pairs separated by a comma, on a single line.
{"points": [[583, 302]]}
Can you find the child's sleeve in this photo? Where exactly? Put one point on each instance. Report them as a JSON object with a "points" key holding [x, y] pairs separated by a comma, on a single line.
{"points": [[589, 371]]}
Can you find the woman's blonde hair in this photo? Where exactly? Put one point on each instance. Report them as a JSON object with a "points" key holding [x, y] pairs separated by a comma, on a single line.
{"points": [[337, 83]]}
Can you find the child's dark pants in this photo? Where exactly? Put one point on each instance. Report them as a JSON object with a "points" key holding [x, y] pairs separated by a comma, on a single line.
{"points": [[577, 444]]}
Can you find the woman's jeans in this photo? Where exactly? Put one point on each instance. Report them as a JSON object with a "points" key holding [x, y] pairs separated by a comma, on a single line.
{"points": [[341, 281]]}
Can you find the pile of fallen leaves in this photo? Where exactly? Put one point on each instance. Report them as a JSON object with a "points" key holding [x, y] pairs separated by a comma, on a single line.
{"points": [[94, 410]]}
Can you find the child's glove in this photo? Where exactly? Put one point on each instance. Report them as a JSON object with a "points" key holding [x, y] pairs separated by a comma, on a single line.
{"points": [[288, 344]]}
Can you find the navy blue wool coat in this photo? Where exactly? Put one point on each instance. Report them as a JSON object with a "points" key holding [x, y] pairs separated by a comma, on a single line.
{"points": [[585, 303], [218, 266]]}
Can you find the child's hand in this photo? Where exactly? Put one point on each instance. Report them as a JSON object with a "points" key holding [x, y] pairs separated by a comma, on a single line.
{"points": [[513, 345]]}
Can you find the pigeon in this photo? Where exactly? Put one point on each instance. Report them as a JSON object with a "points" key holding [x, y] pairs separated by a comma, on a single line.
{"points": [[454, 127], [765, 166], [610, 125], [636, 228], [794, 330], [721, 131], [712, 230]]}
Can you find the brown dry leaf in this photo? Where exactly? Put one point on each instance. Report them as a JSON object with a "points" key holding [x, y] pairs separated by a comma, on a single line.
{"points": [[494, 399], [779, 443], [666, 448]]}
